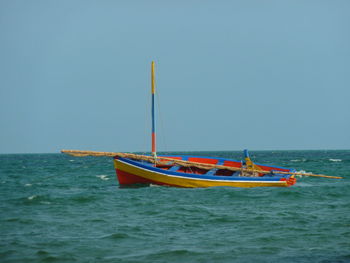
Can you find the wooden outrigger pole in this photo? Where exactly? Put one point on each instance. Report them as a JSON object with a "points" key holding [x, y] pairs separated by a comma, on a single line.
{"points": [[166, 160]]}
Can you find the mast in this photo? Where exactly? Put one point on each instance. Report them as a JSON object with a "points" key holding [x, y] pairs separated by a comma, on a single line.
{"points": [[154, 152]]}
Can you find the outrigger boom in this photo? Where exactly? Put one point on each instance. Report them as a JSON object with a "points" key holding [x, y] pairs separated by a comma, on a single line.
{"points": [[165, 161]]}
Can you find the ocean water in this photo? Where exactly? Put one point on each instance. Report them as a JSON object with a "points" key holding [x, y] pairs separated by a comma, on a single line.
{"points": [[57, 208]]}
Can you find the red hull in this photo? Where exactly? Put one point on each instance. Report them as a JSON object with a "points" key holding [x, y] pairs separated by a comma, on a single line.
{"points": [[125, 178]]}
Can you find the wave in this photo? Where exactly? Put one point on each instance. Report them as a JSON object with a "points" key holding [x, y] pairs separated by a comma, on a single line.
{"points": [[32, 197], [37, 199], [83, 198], [172, 255], [301, 172], [103, 177], [116, 236]]}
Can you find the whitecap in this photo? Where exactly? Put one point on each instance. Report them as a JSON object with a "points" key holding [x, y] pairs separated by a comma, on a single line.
{"points": [[32, 197], [335, 160], [28, 185], [103, 177], [301, 172]]}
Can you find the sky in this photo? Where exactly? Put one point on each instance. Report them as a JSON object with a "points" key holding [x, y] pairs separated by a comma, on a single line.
{"points": [[230, 75]]}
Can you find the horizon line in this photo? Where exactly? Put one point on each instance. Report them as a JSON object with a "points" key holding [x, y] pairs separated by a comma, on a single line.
{"points": [[184, 151]]}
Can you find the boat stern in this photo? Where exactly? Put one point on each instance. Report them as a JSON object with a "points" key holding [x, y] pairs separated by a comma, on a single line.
{"points": [[291, 180]]}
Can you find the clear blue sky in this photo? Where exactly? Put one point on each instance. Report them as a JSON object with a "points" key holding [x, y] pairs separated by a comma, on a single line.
{"points": [[230, 74]]}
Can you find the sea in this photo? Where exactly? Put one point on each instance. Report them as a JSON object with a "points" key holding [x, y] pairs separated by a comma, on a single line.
{"points": [[58, 208]]}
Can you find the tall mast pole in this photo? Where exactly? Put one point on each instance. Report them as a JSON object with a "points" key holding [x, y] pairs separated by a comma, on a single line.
{"points": [[154, 152]]}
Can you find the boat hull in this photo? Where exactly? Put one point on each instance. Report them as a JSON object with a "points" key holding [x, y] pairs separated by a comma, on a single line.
{"points": [[130, 172]]}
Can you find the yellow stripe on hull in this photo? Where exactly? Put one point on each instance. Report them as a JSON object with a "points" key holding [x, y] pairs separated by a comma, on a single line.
{"points": [[190, 182]]}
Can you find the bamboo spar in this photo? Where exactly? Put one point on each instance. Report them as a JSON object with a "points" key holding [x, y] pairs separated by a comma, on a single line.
{"points": [[161, 160]]}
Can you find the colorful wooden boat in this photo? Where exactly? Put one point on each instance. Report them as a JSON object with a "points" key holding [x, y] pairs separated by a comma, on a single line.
{"points": [[140, 172], [197, 171]]}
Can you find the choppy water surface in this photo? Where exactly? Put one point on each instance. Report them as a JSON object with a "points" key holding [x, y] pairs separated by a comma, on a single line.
{"points": [[57, 208]]}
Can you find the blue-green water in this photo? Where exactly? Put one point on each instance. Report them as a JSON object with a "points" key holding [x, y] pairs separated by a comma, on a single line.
{"points": [[57, 208]]}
